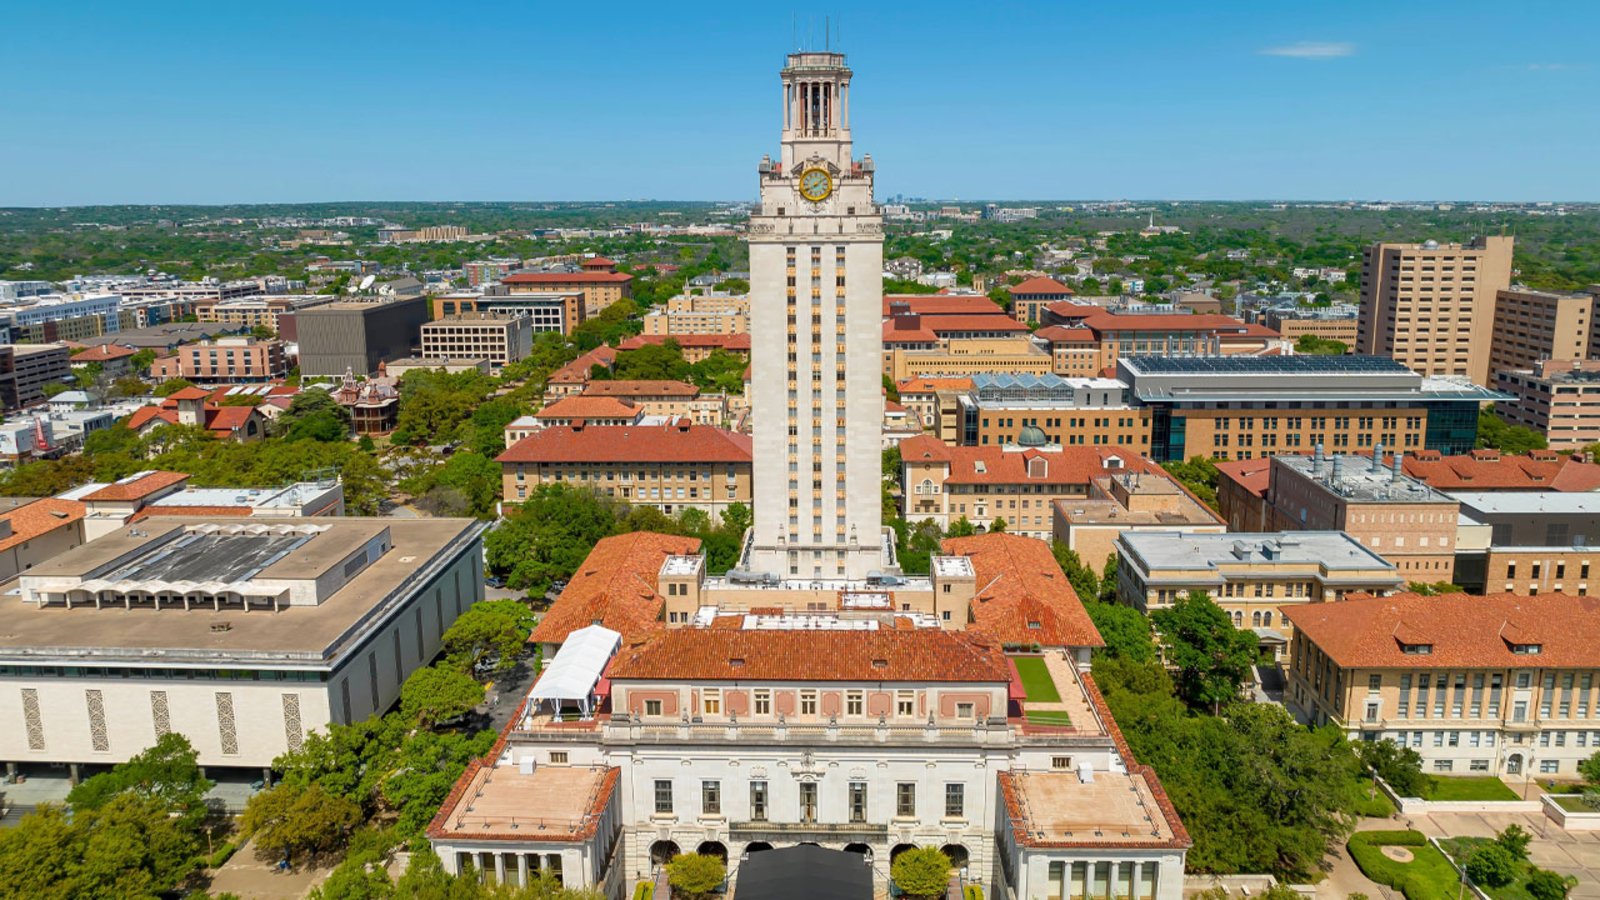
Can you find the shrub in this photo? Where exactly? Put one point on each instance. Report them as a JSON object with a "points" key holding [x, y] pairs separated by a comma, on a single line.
{"points": [[972, 892], [1491, 865], [1429, 877], [1544, 884], [220, 858], [693, 875], [644, 891], [1515, 841], [923, 872]]}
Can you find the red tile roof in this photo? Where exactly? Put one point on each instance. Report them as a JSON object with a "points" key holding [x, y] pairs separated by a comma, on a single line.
{"points": [[729, 342], [615, 587], [597, 262], [189, 393], [1041, 287], [1252, 475], [942, 304], [640, 388], [1023, 596], [567, 278], [166, 510], [228, 418], [144, 414], [1464, 632], [582, 407], [960, 323], [139, 486], [102, 353], [931, 385], [1487, 472], [577, 371], [1060, 334], [905, 655], [39, 518], [1066, 465], [900, 333], [676, 443]]}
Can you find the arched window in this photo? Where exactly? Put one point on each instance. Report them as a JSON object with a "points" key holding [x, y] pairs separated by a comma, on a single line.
{"points": [[1255, 619], [1238, 619], [1266, 618]]}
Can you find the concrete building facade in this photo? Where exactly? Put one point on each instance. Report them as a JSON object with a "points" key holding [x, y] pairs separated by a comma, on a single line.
{"points": [[357, 336], [1560, 399], [499, 338]]}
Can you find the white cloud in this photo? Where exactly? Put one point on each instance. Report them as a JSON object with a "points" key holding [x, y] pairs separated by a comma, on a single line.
{"points": [[1312, 50]]}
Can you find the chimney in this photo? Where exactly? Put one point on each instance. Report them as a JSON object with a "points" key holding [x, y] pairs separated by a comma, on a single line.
{"points": [[1318, 461]]}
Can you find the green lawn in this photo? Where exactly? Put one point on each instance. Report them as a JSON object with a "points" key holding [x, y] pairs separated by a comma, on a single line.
{"points": [[1048, 717], [1036, 681], [1459, 847], [1468, 787], [1428, 876], [1367, 801], [1573, 803]]}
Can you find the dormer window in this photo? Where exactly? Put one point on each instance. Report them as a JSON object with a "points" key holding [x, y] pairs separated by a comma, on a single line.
{"points": [[1034, 625], [979, 467], [1113, 462], [736, 662], [1416, 649], [1527, 649]]}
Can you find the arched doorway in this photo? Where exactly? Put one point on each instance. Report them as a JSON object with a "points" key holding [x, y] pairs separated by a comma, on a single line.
{"points": [[755, 847], [957, 853], [894, 854], [1514, 764], [864, 849], [713, 848], [662, 852]]}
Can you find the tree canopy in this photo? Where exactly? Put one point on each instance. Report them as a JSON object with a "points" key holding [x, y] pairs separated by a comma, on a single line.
{"points": [[1211, 657]]}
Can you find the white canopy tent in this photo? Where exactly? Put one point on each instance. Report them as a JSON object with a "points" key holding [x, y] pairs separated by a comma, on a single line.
{"points": [[571, 678]]}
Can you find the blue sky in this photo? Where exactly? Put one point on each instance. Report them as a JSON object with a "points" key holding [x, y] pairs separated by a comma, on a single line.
{"points": [[167, 102]]}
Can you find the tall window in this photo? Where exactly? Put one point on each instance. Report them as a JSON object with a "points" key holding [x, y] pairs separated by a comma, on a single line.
{"points": [[710, 798], [663, 797], [854, 703], [905, 703], [955, 800], [758, 801], [808, 802], [905, 800], [858, 801], [763, 703], [711, 702], [808, 703]]}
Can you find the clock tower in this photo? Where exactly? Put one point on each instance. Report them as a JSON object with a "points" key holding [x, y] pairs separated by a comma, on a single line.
{"points": [[816, 313]]}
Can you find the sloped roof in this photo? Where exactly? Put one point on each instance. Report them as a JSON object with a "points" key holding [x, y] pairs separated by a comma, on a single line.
{"points": [[640, 388], [676, 442], [729, 342], [137, 486], [567, 278], [1040, 286], [1023, 596], [36, 519], [884, 654], [1253, 475], [102, 353], [931, 385], [584, 407], [616, 586], [996, 465], [1463, 631], [1492, 471]]}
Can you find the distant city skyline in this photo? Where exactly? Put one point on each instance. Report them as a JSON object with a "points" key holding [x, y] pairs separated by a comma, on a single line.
{"points": [[295, 102]]}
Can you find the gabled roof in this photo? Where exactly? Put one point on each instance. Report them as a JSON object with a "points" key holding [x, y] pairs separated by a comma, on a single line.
{"points": [[1048, 287], [884, 654], [1481, 471], [1076, 465], [102, 353], [1460, 631], [1023, 597], [963, 323], [676, 442], [39, 518], [616, 586], [137, 486], [1060, 334], [577, 371], [584, 407], [942, 304], [190, 393], [1252, 475]]}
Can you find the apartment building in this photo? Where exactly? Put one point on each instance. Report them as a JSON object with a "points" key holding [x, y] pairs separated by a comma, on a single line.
{"points": [[671, 467], [1559, 398], [1016, 483], [1431, 306], [499, 338], [557, 311], [597, 280], [1251, 576], [713, 313], [485, 271], [229, 360], [258, 311], [26, 368], [964, 356], [1369, 498], [1498, 685], [1532, 327]]}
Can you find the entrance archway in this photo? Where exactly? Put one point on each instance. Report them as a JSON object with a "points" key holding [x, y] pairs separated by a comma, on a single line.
{"points": [[756, 847], [957, 853], [894, 854], [864, 849], [1514, 764], [714, 848], [662, 852]]}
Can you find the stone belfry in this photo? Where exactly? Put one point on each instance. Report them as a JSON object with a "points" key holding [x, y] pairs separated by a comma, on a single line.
{"points": [[816, 300]]}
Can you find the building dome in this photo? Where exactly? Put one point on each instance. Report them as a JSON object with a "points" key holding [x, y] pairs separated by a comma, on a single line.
{"points": [[1032, 436]]}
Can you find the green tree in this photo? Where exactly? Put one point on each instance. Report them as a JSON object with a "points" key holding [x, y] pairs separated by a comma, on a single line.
{"points": [[1126, 631], [1400, 766], [1491, 866], [548, 535], [1199, 475], [172, 386], [1085, 583], [489, 631], [736, 518], [1512, 440], [1515, 840], [1212, 657], [1310, 344], [131, 846], [140, 361], [435, 694], [1590, 769], [1544, 884], [695, 876], [291, 819], [654, 362], [314, 415], [166, 772], [961, 528], [922, 873], [720, 372]]}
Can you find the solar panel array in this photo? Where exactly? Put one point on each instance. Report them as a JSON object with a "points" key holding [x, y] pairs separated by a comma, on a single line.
{"points": [[1267, 365]]}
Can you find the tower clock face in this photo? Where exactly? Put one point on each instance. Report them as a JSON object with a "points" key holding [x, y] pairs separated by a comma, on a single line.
{"points": [[816, 185]]}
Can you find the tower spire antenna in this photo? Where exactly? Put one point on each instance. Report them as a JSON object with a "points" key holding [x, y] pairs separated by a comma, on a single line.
{"points": [[827, 34]]}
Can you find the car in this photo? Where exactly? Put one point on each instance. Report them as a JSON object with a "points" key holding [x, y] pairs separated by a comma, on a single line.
{"points": [[559, 585], [495, 581]]}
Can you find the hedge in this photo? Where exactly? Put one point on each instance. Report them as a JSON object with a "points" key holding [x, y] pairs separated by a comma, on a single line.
{"points": [[644, 891], [972, 892], [1427, 877]]}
